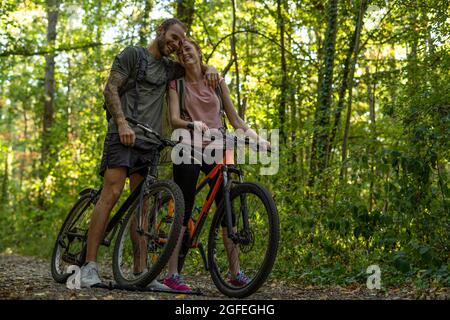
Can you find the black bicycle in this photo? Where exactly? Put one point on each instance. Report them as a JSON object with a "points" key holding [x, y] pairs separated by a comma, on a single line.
{"points": [[147, 225]]}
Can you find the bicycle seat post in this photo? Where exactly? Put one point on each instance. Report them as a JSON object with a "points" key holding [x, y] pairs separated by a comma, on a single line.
{"points": [[152, 174]]}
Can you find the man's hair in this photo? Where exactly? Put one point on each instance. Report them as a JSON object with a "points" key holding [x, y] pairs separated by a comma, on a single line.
{"points": [[165, 25]]}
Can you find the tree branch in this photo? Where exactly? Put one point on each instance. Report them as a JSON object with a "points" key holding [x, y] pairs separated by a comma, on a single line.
{"points": [[28, 52], [254, 32]]}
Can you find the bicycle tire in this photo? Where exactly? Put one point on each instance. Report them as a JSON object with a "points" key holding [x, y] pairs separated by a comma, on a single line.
{"points": [[260, 276], [145, 278], [84, 204]]}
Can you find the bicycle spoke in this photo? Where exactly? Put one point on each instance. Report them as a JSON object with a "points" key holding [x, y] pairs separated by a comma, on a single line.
{"points": [[142, 245], [71, 241]]}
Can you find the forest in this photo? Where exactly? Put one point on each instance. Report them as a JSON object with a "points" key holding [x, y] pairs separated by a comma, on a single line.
{"points": [[359, 90]]}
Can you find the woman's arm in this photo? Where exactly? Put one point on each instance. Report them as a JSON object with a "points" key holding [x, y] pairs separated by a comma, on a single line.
{"points": [[174, 108], [175, 117], [230, 110], [235, 120]]}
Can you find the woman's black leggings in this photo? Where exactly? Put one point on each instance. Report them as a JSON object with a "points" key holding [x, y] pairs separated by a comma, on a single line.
{"points": [[186, 176]]}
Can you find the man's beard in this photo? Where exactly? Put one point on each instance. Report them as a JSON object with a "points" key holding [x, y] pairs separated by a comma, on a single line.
{"points": [[162, 46]]}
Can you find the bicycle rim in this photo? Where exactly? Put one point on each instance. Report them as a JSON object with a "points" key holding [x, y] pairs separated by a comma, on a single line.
{"points": [[255, 252], [70, 244], [139, 256]]}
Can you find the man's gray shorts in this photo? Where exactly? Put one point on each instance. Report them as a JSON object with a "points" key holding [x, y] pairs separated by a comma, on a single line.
{"points": [[136, 159]]}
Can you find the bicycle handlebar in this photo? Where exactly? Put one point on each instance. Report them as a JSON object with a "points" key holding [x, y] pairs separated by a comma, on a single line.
{"points": [[147, 129], [237, 140], [165, 142]]}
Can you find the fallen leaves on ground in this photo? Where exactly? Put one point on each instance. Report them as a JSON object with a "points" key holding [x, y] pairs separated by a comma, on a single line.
{"points": [[30, 278]]}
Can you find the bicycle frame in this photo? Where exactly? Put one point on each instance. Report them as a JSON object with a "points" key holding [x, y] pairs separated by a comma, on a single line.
{"points": [[221, 173], [137, 192]]}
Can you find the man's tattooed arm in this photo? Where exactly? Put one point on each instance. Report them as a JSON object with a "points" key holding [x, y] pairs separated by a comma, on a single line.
{"points": [[111, 93]]}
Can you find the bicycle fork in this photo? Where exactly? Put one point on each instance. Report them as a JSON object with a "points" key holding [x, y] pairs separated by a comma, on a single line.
{"points": [[149, 180], [234, 236]]}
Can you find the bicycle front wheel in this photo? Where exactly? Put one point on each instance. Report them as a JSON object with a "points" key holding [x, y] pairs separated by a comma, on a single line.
{"points": [[256, 224], [148, 234]]}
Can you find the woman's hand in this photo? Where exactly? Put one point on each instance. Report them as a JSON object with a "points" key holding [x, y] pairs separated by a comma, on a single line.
{"points": [[200, 126], [264, 144]]}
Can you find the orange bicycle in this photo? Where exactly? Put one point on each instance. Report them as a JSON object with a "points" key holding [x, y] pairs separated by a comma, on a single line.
{"points": [[250, 216]]}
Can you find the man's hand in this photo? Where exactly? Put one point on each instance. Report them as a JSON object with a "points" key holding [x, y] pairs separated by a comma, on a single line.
{"points": [[211, 77], [127, 135]]}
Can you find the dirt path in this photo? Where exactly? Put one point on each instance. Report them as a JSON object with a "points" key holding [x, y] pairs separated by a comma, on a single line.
{"points": [[30, 278]]}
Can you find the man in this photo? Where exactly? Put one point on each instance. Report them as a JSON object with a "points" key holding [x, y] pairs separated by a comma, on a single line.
{"points": [[126, 148]]}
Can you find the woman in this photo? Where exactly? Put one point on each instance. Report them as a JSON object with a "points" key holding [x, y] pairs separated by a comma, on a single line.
{"points": [[202, 108]]}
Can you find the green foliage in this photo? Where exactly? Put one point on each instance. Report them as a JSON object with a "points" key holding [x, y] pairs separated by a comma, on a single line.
{"points": [[391, 209]]}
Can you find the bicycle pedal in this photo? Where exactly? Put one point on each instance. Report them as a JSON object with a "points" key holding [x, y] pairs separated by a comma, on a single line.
{"points": [[69, 258], [162, 234]]}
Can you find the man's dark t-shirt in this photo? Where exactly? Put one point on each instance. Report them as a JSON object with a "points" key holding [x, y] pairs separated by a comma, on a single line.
{"points": [[151, 91]]}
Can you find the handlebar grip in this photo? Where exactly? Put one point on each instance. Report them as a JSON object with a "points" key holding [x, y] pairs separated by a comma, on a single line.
{"points": [[169, 143], [133, 121], [248, 142]]}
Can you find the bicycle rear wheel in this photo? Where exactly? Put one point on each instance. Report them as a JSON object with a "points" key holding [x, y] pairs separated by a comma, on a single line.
{"points": [[257, 246], [70, 245], [140, 255]]}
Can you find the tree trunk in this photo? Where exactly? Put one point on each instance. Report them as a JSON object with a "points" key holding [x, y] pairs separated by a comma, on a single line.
{"points": [[371, 93], [248, 46], [185, 13], [70, 113], [321, 119], [283, 94], [371, 96], [49, 90], [5, 181], [24, 155], [236, 63], [345, 82], [359, 24], [144, 28], [412, 57]]}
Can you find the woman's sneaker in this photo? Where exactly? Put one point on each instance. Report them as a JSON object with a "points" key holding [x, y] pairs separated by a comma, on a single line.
{"points": [[155, 284], [238, 280], [176, 282]]}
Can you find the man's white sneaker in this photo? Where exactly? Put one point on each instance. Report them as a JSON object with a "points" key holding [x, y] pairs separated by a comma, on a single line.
{"points": [[89, 275]]}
